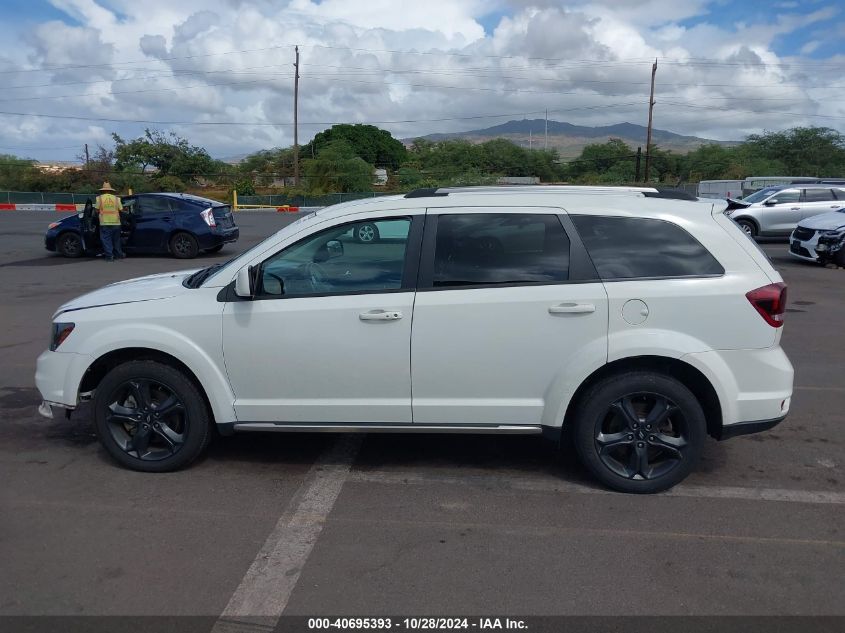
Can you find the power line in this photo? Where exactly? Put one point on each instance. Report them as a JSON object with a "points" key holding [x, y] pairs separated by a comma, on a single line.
{"points": [[280, 124]]}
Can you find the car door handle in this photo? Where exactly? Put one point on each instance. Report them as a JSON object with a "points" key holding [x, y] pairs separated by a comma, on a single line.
{"points": [[834, 206], [794, 208], [380, 315], [572, 308]]}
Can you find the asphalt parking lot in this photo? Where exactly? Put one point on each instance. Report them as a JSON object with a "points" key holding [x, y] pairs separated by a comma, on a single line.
{"points": [[383, 524]]}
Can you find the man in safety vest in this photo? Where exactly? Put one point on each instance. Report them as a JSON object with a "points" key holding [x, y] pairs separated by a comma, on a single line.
{"points": [[108, 207]]}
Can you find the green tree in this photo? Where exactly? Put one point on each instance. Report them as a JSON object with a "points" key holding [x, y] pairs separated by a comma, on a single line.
{"points": [[802, 151], [612, 161], [337, 168], [14, 171], [374, 145], [169, 154]]}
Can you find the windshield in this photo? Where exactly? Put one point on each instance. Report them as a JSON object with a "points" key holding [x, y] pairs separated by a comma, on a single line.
{"points": [[757, 196], [200, 277]]}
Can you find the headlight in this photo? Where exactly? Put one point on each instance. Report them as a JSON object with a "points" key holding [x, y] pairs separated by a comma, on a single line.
{"points": [[840, 232], [60, 332]]}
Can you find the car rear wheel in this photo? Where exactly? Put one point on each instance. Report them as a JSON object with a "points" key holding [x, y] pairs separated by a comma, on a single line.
{"points": [[70, 245], [749, 227], [366, 233], [640, 432], [184, 246], [151, 417]]}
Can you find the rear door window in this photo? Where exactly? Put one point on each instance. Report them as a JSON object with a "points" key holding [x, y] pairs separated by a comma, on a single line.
{"points": [[818, 195], [154, 204], [636, 248], [499, 248]]}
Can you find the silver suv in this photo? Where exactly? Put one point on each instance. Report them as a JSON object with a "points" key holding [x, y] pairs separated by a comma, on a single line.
{"points": [[776, 211]]}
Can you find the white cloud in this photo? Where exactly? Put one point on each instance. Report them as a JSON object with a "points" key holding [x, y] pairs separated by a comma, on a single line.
{"points": [[588, 61]]}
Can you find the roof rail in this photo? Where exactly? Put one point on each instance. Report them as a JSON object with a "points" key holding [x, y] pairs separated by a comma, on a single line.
{"points": [[427, 192], [671, 194], [445, 191]]}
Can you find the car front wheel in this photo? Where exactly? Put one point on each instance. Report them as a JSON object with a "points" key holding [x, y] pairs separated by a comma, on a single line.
{"points": [[640, 432], [150, 417]]}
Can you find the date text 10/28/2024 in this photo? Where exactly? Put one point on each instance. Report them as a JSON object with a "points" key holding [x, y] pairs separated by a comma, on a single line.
{"points": [[413, 624]]}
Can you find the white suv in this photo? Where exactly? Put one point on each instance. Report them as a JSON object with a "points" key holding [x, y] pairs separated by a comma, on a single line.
{"points": [[593, 312]]}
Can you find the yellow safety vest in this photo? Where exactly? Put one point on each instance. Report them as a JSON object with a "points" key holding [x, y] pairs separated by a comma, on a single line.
{"points": [[109, 207]]}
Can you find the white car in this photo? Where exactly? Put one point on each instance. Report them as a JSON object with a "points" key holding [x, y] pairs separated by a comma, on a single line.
{"points": [[820, 238], [589, 314]]}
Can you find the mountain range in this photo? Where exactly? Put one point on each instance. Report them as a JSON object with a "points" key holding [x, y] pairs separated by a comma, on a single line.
{"points": [[570, 139]]}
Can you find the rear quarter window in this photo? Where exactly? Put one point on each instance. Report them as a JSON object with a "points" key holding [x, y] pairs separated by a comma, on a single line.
{"points": [[635, 248]]}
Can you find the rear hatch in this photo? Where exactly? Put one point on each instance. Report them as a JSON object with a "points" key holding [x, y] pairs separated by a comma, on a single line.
{"points": [[223, 217]]}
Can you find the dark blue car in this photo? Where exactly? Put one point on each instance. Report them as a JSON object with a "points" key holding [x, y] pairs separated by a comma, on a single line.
{"points": [[176, 223]]}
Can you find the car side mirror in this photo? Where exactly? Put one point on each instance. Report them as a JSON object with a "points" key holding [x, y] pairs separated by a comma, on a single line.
{"points": [[770, 202], [245, 283]]}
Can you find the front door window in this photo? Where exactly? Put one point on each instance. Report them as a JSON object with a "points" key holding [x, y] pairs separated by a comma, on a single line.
{"points": [[361, 257]]}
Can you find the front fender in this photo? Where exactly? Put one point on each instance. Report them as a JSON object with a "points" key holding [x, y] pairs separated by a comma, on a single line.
{"points": [[207, 368]]}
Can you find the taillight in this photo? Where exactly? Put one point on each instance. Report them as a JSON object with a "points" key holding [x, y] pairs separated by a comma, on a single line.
{"points": [[208, 216], [770, 302]]}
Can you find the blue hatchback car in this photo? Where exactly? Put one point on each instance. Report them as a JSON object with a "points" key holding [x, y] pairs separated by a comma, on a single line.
{"points": [[180, 224]]}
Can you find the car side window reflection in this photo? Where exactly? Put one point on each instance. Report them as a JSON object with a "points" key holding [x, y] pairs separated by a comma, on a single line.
{"points": [[366, 256]]}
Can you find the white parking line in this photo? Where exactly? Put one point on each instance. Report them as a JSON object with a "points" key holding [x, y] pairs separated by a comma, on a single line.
{"points": [[263, 594], [550, 484]]}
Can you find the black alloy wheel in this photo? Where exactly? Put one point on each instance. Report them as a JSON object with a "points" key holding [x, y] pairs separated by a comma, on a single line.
{"points": [[642, 436], [147, 420], [639, 432], [150, 417], [70, 245], [184, 246]]}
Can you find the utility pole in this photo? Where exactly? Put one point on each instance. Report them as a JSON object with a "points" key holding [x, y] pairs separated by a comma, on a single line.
{"points": [[639, 156], [530, 140], [648, 135], [546, 132], [87, 158], [295, 119]]}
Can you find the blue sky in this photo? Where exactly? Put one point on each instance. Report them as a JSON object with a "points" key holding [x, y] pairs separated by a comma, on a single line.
{"points": [[78, 70]]}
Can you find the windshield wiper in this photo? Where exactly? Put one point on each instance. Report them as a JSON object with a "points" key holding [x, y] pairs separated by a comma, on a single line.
{"points": [[195, 280]]}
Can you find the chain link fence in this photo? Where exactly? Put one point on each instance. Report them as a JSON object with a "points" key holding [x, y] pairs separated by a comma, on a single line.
{"points": [[326, 200], [37, 197]]}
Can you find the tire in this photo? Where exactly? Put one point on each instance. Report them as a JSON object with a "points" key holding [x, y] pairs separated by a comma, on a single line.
{"points": [[749, 227], [70, 245], [131, 429], [641, 452], [214, 249], [366, 233], [839, 257], [184, 246]]}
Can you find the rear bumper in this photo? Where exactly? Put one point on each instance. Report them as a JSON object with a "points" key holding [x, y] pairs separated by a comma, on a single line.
{"points": [[754, 386], [747, 428], [220, 236]]}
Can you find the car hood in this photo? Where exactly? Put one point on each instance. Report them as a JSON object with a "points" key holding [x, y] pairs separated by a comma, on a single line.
{"points": [[160, 286], [824, 222]]}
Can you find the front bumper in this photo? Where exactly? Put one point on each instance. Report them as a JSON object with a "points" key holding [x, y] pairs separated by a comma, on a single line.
{"points": [[58, 376], [804, 249]]}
